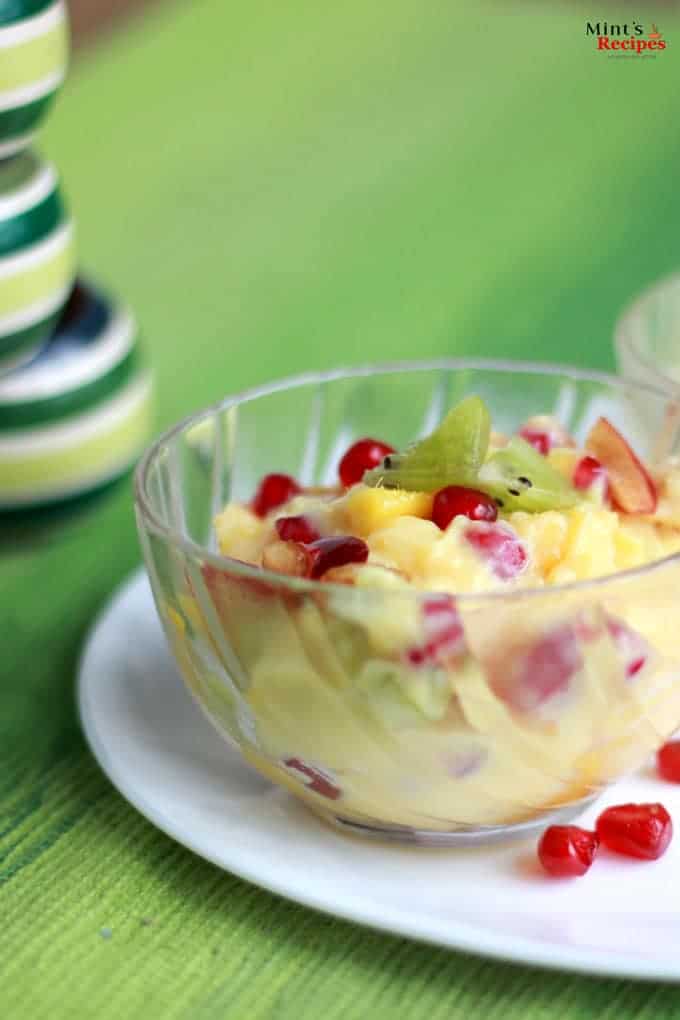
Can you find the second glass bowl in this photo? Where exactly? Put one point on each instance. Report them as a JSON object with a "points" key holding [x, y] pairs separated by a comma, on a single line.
{"points": [[647, 336]]}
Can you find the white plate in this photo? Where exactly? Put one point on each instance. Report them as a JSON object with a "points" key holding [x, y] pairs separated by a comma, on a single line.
{"points": [[623, 918]]}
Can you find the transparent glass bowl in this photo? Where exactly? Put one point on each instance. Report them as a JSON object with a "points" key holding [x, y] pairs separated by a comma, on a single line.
{"points": [[647, 336], [554, 694]]}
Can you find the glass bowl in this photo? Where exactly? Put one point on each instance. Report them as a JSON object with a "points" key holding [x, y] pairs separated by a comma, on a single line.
{"points": [[552, 692], [647, 336]]}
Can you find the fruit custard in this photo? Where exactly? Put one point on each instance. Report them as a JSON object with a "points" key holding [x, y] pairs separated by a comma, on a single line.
{"points": [[440, 709]]}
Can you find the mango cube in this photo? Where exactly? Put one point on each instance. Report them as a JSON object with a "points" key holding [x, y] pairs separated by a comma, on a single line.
{"points": [[371, 509]]}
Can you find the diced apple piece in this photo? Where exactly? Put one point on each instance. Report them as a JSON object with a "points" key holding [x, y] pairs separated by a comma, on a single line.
{"points": [[630, 484]]}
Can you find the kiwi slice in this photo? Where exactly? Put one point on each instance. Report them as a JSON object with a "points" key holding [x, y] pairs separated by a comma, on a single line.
{"points": [[451, 455], [520, 478]]}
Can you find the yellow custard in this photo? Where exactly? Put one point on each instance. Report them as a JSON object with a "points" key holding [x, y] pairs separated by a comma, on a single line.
{"points": [[397, 692]]}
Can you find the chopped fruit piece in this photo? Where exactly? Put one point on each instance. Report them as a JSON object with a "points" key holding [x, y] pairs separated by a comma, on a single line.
{"points": [[668, 761], [632, 646], [544, 432], [314, 778], [285, 558], [444, 634], [400, 697], [587, 472], [539, 440], [567, 851], [296, 529], [498, 544], [456, 500], [630, 484], [327, 553], [564, 459], [452, 454], [636, 830], [526, 680], [367, 510], [545, 534], [362, 456], [240, 534], [273, 491], [551, 664], [548, 426], [519, 478]]}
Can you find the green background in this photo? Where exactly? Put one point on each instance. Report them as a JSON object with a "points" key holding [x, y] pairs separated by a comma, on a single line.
{"points": [[275, 187]]}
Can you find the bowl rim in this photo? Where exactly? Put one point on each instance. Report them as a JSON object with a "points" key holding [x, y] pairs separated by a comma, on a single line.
{"points": [[238, 568], [631, 312]]}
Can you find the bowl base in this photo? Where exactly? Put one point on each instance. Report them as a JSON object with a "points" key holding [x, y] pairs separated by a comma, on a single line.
{"points": [[459, 837]]}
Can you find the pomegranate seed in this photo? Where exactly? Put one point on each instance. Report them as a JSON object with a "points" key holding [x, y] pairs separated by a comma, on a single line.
{"points": [[505, 554], [526, 681], [567, 851], [362, 456], [541, 441], [272, 491], [587, 472], [296, 529], [445, 637], [456, 500], [334, 552], [314, 778], [632, 647], [636, 830], [668, 761]]}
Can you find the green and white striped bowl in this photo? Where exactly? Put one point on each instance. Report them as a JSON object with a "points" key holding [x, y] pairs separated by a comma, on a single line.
{"points": [[78, 416], [37, 257], [33, 60]]}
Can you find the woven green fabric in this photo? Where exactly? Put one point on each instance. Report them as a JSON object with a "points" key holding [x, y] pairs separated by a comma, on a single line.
{"points": [[276, 186]]}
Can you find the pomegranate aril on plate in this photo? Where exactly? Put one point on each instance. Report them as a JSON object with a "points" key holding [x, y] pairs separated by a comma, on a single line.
{"points": [[327, 553], [668, 761], [636, 830], [502, 549], [297, 529], [274, 490], [567, 851], [362, 456], [457, 500]]}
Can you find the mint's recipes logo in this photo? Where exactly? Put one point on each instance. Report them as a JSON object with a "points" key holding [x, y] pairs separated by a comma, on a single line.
{"points": [[626, 39]]}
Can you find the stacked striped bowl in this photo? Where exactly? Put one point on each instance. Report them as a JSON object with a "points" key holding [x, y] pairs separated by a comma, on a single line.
{"points": [[33, 57], [74, 393]]}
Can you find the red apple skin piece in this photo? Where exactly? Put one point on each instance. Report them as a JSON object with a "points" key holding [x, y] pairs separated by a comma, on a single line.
{"points": [[630, 484]]}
